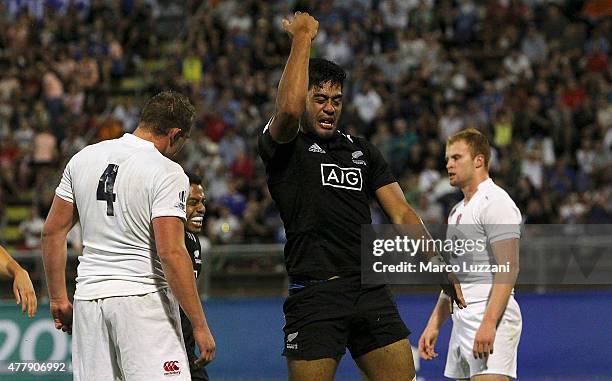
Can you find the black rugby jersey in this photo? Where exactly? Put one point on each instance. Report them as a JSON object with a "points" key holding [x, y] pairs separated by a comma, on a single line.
{"points": [[322, 189], [192, 242]]}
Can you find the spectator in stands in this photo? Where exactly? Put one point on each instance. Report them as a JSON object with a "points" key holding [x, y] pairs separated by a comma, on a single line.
{"points": [[534, 46], [430, 211], [225, 228], [337, 47], [573, 210], [31, 228], [517, 66], [69, 68], [230, 146], [450, 122], [533, 168], [383, 140], [9, 154], [368, 102]]}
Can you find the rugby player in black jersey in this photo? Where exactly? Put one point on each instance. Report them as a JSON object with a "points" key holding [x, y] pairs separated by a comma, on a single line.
{"points": [[321, 181], [196, 207]]}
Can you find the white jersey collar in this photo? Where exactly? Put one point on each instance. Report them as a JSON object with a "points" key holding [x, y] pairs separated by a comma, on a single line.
{"points": [[488, 183], [136, 141]]}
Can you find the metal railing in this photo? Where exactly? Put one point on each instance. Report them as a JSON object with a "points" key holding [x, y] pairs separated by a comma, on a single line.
{"points": [[229, 270]]}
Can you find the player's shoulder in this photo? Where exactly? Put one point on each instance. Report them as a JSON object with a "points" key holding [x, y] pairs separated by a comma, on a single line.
{"points": [[91, 152], [360, 142], [351, 139], [496, 200], [151, 158], [493, 193], [360, 145], [162, 166]]}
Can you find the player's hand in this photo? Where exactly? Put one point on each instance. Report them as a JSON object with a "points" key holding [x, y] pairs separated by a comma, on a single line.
{"points": [[301, 23], [452, 288], [483, 342], [24, 293], [427, 343], [61, 311], [206, 343]]}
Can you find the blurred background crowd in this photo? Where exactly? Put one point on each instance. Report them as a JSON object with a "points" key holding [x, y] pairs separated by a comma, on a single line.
{"points": [[533, 75]]}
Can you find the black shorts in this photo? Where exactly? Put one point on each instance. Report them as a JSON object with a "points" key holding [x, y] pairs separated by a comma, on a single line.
{"points": [[323, 319], [198, 373]]}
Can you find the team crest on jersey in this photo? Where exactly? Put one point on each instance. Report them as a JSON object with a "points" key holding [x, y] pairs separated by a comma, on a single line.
{"points": [[290, 338], [356, 155], [338, 177], [181, 204], [459, 218]]}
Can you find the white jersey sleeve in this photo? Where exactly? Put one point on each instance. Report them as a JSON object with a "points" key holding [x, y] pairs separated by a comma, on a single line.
{"points": [[64, 189], [170, 195], [500, 218]]}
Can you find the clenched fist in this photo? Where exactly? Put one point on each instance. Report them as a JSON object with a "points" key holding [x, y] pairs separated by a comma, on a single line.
{"points": [[301, 23]]}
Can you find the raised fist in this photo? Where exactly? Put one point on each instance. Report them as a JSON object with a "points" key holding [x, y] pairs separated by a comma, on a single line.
{"points": [[301, 23]]}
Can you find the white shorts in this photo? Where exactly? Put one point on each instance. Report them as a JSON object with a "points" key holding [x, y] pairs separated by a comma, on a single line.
{"points": [[131, 338], [460, 362]]}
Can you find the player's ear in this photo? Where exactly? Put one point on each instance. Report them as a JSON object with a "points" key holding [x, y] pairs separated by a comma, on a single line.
{"points": [[174, 134], [479, 161]]}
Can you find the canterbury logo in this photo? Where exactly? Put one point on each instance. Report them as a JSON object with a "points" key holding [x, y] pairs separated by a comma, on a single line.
{"points": [[171, 367]]}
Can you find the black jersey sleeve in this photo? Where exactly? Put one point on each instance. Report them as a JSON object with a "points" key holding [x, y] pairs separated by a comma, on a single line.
{"points": [[266, 145], [192, 243], [380, 173], [270, 150]]}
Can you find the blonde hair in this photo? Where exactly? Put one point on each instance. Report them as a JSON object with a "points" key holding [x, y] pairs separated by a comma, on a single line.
{"points": [[478, 143]]}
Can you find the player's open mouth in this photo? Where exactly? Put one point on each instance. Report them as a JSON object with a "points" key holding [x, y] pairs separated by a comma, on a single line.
{"points": [[327, 123], [197, 221]]}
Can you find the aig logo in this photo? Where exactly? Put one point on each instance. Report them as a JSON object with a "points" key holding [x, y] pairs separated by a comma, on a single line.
{"points": [[338, 177]]}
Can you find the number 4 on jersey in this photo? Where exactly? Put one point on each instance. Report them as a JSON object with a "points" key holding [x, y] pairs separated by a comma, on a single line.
{"points": [[105, 188]]}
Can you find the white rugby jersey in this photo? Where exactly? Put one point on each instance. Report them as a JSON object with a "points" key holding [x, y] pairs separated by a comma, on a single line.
{"points": [[118, 187], [489, 216]]}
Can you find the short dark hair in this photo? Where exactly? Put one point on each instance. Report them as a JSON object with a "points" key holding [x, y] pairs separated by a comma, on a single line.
{"points": [[195, 180], [167, 110], [321, 71]]}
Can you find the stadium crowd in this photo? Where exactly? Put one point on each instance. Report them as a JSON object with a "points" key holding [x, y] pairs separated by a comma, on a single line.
{"points": [[534, 76]]}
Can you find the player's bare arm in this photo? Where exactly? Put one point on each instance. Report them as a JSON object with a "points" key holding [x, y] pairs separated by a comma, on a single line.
{"points": [[22, 285], [438, 317], [393, 202], [62, 217], [169, 240], [293, 86], [505, 251]]}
